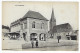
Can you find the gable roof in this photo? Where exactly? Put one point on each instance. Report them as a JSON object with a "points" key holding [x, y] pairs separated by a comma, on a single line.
{"points": [[35, 15], [62, 28]]}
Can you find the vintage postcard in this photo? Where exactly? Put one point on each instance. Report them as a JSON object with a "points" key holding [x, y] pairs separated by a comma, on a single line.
{"points": [[40, 26]]}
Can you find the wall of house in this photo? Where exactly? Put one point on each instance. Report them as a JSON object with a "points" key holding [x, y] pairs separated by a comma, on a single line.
{"points": [[16, 28], [62, 34], [29, 30], [38, 30], [19, 27]]}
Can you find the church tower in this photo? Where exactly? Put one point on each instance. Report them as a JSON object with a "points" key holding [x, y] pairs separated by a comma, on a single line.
{"points": [[52, 21]]}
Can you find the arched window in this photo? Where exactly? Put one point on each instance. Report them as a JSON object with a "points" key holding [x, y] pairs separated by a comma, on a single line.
{"points": [[33, 25], [25, 25], [42, 37], [42, 25], [21, 26]]}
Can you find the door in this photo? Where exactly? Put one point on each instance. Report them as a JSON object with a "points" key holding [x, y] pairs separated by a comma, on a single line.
{"points": [[24, 36], [33, 36]]}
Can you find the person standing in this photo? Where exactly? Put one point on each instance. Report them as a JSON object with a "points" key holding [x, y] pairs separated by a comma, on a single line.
{"points": [[32, 42], [36, 43]]}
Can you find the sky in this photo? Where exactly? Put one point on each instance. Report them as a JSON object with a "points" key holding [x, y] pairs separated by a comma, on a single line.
{"points": [[64, 12]]}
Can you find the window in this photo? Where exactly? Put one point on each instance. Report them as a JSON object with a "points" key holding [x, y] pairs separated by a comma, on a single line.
{"points": [[33, 25], [42, 25], [25, 25], [21, 26], [42, 37]]}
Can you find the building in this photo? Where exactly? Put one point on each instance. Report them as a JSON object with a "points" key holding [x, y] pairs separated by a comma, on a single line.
{"points": [[63, 30], [5, 29], [32, 26], [74, 35], [52, 24]]}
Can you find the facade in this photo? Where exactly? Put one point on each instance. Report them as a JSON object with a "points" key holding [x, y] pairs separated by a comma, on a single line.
{"points": [[62, 30], [5, 29], [52, 24], [32, 26]]}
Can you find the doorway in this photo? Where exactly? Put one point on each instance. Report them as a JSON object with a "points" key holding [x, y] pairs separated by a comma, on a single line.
{"points": [[33, 36], [24, 36], [73, 37], [42, 37]]}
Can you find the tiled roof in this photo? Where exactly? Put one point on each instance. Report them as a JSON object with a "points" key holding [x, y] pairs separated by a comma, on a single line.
{"points": [[35, 15], [31, 14]]}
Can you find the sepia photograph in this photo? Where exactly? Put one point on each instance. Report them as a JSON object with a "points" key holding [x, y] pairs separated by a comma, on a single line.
{"points": [[40, 26]]}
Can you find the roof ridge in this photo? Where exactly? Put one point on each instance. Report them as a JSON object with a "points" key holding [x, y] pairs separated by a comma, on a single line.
{"points": [[63, 24]]}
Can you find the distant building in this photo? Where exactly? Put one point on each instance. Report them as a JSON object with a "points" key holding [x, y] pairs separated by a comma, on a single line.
{"points": [[32, 26], [63, 30], [52, 24], [5, 30]]}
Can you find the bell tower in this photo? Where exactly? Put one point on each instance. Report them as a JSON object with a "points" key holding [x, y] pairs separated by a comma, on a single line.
{"points": [[52, 21]]}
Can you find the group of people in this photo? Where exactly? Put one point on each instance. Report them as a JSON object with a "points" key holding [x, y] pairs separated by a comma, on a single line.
{"points": [[36, 43]]}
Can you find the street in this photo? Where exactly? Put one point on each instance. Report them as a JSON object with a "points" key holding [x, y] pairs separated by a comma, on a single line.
{"points": [[59, 48], [64, 45]]}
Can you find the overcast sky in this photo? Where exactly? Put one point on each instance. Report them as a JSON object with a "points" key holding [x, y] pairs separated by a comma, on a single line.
{"points": [[65, 12]]}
